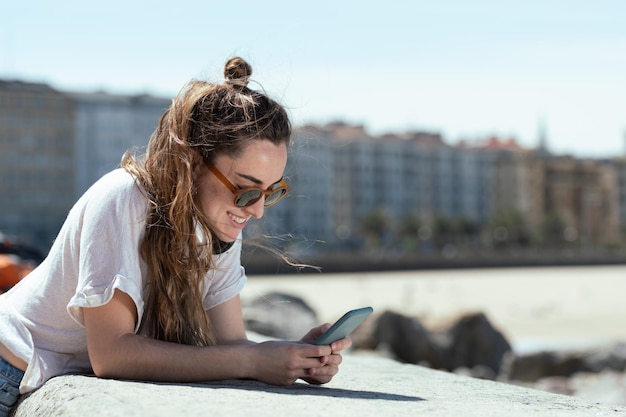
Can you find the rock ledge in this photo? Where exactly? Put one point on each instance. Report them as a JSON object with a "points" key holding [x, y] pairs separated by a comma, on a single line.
{"points": [[367, 385]]}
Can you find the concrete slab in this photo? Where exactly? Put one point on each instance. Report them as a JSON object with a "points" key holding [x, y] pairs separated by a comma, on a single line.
{"points": [[367, 385]]}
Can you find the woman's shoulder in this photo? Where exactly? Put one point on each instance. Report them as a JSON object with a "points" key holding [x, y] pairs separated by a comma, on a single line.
{"points": [[116, 180], [116, 189]]}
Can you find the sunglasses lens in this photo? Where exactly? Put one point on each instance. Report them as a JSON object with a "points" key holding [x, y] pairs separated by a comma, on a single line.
{"points": [[275, 196], [248, 198]]}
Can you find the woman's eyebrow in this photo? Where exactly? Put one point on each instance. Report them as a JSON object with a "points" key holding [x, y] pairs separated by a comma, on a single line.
{"points": [[253, 179], [250, 178]]}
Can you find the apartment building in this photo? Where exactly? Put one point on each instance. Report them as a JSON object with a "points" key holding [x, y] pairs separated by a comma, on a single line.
{"points": [[36, 160], [340, 174], [54, 145], [106, 126], [585, 194], [619, 166]]}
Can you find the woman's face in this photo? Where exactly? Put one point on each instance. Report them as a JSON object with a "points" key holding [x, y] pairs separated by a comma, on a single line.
{"points": [[260, 165]]}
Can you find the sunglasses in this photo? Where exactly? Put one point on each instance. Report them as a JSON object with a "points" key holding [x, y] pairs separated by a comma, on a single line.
{"points": [[245, 197]]}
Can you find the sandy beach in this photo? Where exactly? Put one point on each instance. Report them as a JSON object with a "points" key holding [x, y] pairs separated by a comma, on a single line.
{"points": [[536, 308]]}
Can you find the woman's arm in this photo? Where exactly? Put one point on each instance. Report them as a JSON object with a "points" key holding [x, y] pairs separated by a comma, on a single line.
{"points": [[115, 351], [227, 322]]}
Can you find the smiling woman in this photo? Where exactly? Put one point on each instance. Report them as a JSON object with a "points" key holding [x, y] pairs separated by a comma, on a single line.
{"points": [[260, 164], [143, 280]]}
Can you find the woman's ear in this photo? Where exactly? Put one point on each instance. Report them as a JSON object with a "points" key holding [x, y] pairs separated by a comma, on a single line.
{"points": [[198, 166]]}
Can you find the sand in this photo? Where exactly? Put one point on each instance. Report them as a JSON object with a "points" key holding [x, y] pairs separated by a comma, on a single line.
{"points": [[535, 308]]}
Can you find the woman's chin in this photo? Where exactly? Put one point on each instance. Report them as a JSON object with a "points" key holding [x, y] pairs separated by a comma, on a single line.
{"points": [[227, 237]]}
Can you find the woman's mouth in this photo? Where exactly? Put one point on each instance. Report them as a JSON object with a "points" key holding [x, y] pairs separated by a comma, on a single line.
{"points": [[238, 220]]}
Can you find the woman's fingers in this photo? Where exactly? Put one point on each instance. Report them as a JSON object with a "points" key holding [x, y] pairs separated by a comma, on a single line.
{"points": [[341, 344], [314, 333]]}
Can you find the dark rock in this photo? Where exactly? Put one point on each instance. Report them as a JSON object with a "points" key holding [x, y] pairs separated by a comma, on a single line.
{"points": [[605, 358], [407, 339], [471, 343], [474, 342], [280, 316], [544, 364]]}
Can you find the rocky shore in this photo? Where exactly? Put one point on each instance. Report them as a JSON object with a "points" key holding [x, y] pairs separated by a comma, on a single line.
{"points": [[469, 346], [559, 330]]}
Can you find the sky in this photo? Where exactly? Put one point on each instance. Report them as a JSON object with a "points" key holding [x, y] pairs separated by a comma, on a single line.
{"points": [[464, 69]]}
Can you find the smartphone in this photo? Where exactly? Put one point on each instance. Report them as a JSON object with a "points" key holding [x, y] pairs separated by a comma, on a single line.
{"points": [[344, 326]]}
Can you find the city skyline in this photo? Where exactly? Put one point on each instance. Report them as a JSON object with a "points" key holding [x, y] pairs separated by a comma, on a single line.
{"points": [[55, 144], [464, 70]]}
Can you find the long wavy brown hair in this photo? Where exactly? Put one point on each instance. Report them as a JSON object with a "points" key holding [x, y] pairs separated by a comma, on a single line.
{"points": [[205, 120]]}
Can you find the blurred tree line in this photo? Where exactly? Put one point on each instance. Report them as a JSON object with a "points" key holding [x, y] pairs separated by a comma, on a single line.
{"points": [[506, 230]]}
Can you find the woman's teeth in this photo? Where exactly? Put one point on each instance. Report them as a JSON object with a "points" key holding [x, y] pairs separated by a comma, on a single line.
{"points": [[237, 219]]}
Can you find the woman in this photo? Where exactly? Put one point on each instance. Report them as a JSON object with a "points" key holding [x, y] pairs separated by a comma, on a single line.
{"points": [[143, 280]]}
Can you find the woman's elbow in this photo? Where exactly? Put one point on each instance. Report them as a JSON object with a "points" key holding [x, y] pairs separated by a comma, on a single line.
{"points": [[104, 367]]}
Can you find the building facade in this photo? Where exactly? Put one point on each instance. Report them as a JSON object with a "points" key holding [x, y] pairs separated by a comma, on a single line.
{"points": [[585, 195], [54, 145], [340, 174], [36, 160], [106, 126]]}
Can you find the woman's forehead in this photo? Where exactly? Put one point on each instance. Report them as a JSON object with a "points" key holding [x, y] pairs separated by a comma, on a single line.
{"points": [[260, 162]]}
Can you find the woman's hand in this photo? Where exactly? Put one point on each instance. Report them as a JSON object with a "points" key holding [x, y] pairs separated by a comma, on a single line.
{"points": [[331, 362], [282, 363]]}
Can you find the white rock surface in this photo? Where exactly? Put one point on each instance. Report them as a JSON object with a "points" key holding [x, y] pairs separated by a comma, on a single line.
{"points": [[366, 386]]}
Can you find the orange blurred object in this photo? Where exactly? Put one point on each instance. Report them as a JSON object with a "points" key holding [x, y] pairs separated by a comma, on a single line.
{"points": [[12, 270]]}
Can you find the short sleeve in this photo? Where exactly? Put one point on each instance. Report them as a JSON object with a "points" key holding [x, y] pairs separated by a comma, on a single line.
{"points": [[111, 226]]}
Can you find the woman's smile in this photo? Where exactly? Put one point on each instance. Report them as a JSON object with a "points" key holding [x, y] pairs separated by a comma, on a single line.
{"points": [[238, 220]]}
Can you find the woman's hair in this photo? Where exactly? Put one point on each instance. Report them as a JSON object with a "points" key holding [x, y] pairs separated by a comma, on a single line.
{"points": [[205, 120]]}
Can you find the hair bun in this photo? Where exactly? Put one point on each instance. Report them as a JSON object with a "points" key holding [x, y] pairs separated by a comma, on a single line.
{"points": [[237, 72]]}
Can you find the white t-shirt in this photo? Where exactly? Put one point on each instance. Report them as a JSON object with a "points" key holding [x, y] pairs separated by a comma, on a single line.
{"points": [[96, 252]]}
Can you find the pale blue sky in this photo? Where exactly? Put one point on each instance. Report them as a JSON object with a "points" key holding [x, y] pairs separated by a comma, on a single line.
{"points": [[466, 69]]}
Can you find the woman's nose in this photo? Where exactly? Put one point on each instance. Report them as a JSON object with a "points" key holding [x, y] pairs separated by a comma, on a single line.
{"points": [[257, 209]]}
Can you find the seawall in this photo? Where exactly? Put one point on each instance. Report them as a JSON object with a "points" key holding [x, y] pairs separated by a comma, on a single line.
{"points": [[366, 386], [338, 262]]}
